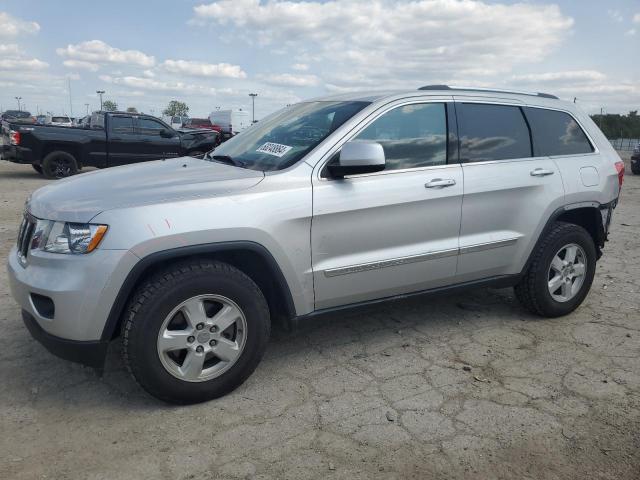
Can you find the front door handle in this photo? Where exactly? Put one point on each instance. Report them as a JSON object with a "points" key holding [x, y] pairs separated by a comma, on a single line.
{"points": [[541, 172], [440, 183]]}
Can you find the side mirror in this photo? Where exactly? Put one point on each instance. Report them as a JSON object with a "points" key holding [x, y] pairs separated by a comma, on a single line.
{"points": [[166, 133], [356, 158]]}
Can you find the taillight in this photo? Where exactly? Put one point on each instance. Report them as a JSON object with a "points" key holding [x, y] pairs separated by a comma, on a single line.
{"points": [[14, 137], [620, 170]]}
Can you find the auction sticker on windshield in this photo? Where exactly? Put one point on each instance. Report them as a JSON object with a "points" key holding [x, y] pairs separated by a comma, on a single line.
{"points": [[275, 149]]}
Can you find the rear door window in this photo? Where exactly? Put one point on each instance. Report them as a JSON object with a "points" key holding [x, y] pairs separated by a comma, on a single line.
{"points": [[122, 125], [492, 132], [556, 133], [412, 136]]}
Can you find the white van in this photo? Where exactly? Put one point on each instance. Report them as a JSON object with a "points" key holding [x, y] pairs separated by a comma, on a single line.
{"points": [[230, 121]]}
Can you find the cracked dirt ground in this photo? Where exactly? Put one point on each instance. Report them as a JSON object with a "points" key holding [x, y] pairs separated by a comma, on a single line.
{"points": [[465, 386]]}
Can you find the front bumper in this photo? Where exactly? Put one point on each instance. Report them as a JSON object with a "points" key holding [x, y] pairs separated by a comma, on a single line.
{"points": [[79, 292], [90, 353]]}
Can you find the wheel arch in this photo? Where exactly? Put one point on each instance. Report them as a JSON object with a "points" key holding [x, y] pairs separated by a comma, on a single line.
{"points": [[61, 147], [588, 215], [251, 258]]}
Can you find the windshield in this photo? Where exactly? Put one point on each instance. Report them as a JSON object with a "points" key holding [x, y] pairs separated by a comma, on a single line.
{"points": [[283, 138]]}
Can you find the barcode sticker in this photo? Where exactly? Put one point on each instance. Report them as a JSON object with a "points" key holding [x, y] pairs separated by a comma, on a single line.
{"points": [[275, 149]]}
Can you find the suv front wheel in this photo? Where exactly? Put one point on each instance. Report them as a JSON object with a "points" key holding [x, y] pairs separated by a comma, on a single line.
{"points": [[195, 331], [561, 272]]}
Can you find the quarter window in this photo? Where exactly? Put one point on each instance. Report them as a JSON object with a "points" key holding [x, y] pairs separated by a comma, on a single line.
{"points": [[492, 132], [411, 136], [121, 124], [556, 133]]}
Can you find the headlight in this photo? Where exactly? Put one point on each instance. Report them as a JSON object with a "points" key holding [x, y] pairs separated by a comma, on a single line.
{"points": [[64, 237]]}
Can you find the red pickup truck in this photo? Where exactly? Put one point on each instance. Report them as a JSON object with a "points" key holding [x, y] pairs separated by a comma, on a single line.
{"points": [[201, 123]]}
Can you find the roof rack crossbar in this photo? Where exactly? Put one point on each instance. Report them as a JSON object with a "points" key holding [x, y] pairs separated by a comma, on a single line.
{"points": [[478, 89]]}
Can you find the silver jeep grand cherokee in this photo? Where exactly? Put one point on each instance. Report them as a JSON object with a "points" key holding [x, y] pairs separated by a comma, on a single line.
{"points": [[327, 204]]}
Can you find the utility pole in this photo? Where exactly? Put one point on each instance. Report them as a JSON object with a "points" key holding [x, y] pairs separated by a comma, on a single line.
{"points": [[87, 105], [70, 102], [253, 107], [100, 92], [18, 99]]}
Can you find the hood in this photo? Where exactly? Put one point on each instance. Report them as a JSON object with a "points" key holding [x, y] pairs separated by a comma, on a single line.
{"points": [[82, 197]]}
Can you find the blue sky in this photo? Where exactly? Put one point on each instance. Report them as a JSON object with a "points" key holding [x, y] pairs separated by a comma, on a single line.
{"points": [[209, 54]]}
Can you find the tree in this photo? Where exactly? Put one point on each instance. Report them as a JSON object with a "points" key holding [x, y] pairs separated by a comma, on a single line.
{"points": [[109, 106], [619, 126], [176, 108], [132, 110]]}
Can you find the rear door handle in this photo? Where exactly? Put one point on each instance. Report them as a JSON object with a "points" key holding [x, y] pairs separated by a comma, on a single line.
{"points": [[541, 172], [440, 183]]}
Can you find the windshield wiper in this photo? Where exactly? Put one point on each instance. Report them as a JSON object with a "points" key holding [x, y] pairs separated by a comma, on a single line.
{"points": [[229, 160]]}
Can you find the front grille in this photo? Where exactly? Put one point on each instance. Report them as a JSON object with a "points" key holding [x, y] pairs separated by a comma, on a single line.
{"points": [[24, 236]]}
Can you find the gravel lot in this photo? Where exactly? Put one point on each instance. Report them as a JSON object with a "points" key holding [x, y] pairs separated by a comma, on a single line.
{"points": [[465, 386]]}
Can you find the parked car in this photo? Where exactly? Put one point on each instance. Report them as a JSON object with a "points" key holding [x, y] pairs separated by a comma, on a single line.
{"points": [[59, 120], [201, 123], [109, 139], [326, 205], [635, 160], [17, 116], [41, 119]]}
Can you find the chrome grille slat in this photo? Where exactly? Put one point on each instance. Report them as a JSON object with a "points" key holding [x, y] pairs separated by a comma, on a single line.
{"points": [[25, 233]]}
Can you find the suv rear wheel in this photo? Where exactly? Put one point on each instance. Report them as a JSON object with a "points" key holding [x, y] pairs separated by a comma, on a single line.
{"points": [[195, 331], [561, 272]]}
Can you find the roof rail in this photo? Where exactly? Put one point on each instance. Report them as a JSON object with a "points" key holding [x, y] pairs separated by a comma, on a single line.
{"points": [[492, 90]]}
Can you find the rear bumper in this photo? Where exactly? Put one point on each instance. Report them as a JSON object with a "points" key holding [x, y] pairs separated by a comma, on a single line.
{"points": [[90, 353], [17, 154]]}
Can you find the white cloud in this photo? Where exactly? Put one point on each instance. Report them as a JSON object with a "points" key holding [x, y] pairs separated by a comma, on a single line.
{"points": [[22, 64], [200, 69], [149, 73], [10, 49], [151, 84], [636, 18], [575, 76], [97, 51], [615, 15], [631, 32], [92, 67], [300, 67], [12, 26], [288, 79], [397, 42]]}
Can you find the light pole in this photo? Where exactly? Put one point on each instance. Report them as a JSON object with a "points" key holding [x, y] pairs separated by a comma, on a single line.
{"points": [[100, 92], [253, 107], [18, 99]]}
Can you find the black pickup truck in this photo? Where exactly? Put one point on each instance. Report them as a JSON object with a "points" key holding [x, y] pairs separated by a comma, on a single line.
{"points": [[108, 139]]}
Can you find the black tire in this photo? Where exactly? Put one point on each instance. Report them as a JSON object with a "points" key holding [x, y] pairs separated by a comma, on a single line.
{"points": [[59, 165], [158, 296], [37, 168], [635, 167], [533, 292]]}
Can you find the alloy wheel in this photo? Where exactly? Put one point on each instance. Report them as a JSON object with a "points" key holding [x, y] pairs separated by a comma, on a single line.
{"points": [[202, 338], [567, 272]]}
